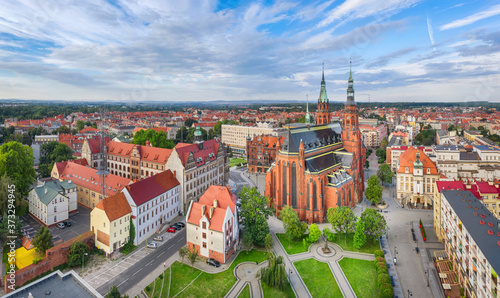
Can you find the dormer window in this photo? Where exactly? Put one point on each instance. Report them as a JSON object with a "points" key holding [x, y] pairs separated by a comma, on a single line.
{"points": [[428, 170], [406, 170]]}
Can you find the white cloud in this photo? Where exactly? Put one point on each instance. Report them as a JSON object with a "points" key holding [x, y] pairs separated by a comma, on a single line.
{"points": [[492, 11], [431, 32]]}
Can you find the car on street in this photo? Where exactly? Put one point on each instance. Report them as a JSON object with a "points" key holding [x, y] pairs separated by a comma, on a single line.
{"points": [[67, 223], [152, 244], [61, 225], [158, 238], [213, 262], [171, 230], [176, 227], [180, 224]]}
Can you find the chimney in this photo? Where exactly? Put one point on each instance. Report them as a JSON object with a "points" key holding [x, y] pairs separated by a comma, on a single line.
{"points": [[203, 208], [211, 212], [45, 190], [215, 203]]}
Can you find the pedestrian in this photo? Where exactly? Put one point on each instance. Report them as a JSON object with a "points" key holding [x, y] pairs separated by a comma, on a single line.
{"points": [[164, 264]]}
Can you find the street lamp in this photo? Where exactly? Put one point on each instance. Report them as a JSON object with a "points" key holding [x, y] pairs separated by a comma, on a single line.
{"points": [[83, 264]]}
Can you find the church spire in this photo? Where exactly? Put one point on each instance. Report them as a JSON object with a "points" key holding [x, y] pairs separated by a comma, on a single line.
{"points": [[308, 117], [350, 88], [322, 93]]}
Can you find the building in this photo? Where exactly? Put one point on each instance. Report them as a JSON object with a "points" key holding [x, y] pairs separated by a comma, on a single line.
{"points": [[373, 135], [197, 166], [89, 132], [154, 202], [261, 152], [56, 284], [472, 243], [87, 180], [110, 222], [92, 152], [212, 224], [52, 202], [445, 137], [235, 136], [415, 178], [319, 166], [40, 140], [393, 153], [471, 135]]}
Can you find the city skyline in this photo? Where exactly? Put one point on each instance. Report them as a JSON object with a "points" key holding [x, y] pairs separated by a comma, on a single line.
{"points": [[402, 50]]}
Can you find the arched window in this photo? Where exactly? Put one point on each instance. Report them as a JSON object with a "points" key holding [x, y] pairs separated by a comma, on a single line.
{"points": [[307, 198], [349, 193], [294, 185], [315, 199], [284, 190]]}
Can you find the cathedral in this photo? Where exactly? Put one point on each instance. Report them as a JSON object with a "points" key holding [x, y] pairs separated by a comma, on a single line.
{"points": [[320, 166]]}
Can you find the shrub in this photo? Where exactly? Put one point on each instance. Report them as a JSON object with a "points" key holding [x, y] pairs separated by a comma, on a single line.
{"points": [[384, 278], [387, 293], [384, 286], [379, 253], [148, 288], [380, 259], [161, 276], [382, 269]]}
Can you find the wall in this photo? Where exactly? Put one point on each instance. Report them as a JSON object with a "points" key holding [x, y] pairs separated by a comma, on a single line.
{"points": [[55, 256]]}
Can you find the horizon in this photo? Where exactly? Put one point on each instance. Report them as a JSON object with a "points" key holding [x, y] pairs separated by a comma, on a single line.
{"points": [[115, 51]]}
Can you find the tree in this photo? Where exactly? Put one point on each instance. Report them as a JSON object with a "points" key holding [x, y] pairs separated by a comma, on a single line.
{"points": [[51, 153], [380, 153], [189, 122], [62, 130], [254, 212], [5, 230], [293, 226], [42, 240], [131, 232], [426, 137], [359, 236], [384, 173], [342, 220], [113, 292], [367, 164], [80, 125], [384, 143], [16, 161], [157, 139], [77, 253], [192, 256], [247, 240], [8, 193], [274, 275], [314, 233], [374, 223], [183, 252], [373, 192], [268, 242]]}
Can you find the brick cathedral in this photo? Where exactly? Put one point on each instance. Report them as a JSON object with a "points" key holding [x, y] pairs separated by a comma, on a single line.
{"points": [[319, 166]]}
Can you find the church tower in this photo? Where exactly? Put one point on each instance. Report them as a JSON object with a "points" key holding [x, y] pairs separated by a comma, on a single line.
{"points": [[351, 137], [323, 113]]}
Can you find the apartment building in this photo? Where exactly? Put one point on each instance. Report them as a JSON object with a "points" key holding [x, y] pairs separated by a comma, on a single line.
{"points": [[51, 202], [212, 224], [472, 242], [373, 135], [154, 202], [86, 179], [110, 222], [92, 152], [235, 136]]}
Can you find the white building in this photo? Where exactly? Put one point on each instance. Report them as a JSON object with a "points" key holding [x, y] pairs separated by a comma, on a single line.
{"points": [[51, 202], [154, 202], [235, 136]]}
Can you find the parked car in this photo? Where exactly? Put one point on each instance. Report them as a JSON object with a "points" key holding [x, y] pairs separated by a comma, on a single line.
{"points": [[152, 244], [158, 238], [61, 225], [171, 230], [176, 227], [67, 223], [213, 262], [180, 224]]}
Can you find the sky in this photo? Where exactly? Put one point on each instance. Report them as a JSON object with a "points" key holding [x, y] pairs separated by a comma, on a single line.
{"points": [[206, 50]]}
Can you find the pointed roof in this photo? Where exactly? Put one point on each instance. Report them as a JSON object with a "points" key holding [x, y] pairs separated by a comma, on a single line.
{"points": [[350, 88], [322, 93], [115, 206], [151, 187], [407, 158]]}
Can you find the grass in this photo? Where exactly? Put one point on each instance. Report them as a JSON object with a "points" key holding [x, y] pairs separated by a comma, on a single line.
{"points": [[276, 293], [369, 247], [318, 278], [294, 246], [245, 293], [207, 284], [236, 161], [362, 276], [182, 274]]}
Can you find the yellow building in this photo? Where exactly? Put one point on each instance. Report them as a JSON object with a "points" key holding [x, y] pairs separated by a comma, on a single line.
{"points": [[471, 135], [87, 182], [110, 222]]}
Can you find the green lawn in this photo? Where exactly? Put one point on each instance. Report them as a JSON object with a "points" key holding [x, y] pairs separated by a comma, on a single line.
{"points": [[362, 276], [294, 246], [236, 161], [204, 286], [369, 247], [245, 293], [270, 292], [318, 278]]}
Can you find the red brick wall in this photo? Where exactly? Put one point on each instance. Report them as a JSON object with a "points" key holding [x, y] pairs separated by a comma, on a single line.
{"points": [[55, 256]]}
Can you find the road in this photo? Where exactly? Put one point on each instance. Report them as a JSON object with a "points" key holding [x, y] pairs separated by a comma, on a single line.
{"points": [[133, 275]]}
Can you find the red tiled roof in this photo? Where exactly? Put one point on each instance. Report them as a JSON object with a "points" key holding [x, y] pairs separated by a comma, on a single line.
{"points": [[81, 161], [486, 188], [147, 153], [115, 206], [89, 129], [87, 177], [95, 143], [407, 158], [215, 223], [210, 146], [144, 190], [224, 196], [446, 185]]}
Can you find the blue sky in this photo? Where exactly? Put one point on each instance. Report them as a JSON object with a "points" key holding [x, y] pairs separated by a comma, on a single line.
{"points": [[401, 50]]}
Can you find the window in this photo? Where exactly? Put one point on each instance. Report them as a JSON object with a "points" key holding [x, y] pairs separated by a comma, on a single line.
{"points": [[55, 208], [55, 218], [203, 225], [204, 245], [204, 235], [104, 224]]}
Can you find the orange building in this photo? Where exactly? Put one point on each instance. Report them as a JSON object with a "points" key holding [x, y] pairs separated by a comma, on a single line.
{"points": [[261, 152], [319, 166]]}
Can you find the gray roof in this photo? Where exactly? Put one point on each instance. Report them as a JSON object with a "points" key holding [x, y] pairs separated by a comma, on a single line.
{"points": [[59, 285], [314, 137], [395, 141], [469, 155], [448, 147], [486, 148], [469, 209], [47, 192]]}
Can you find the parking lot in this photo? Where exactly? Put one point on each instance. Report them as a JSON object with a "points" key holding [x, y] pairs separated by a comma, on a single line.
{"points": [[80, 223]]}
